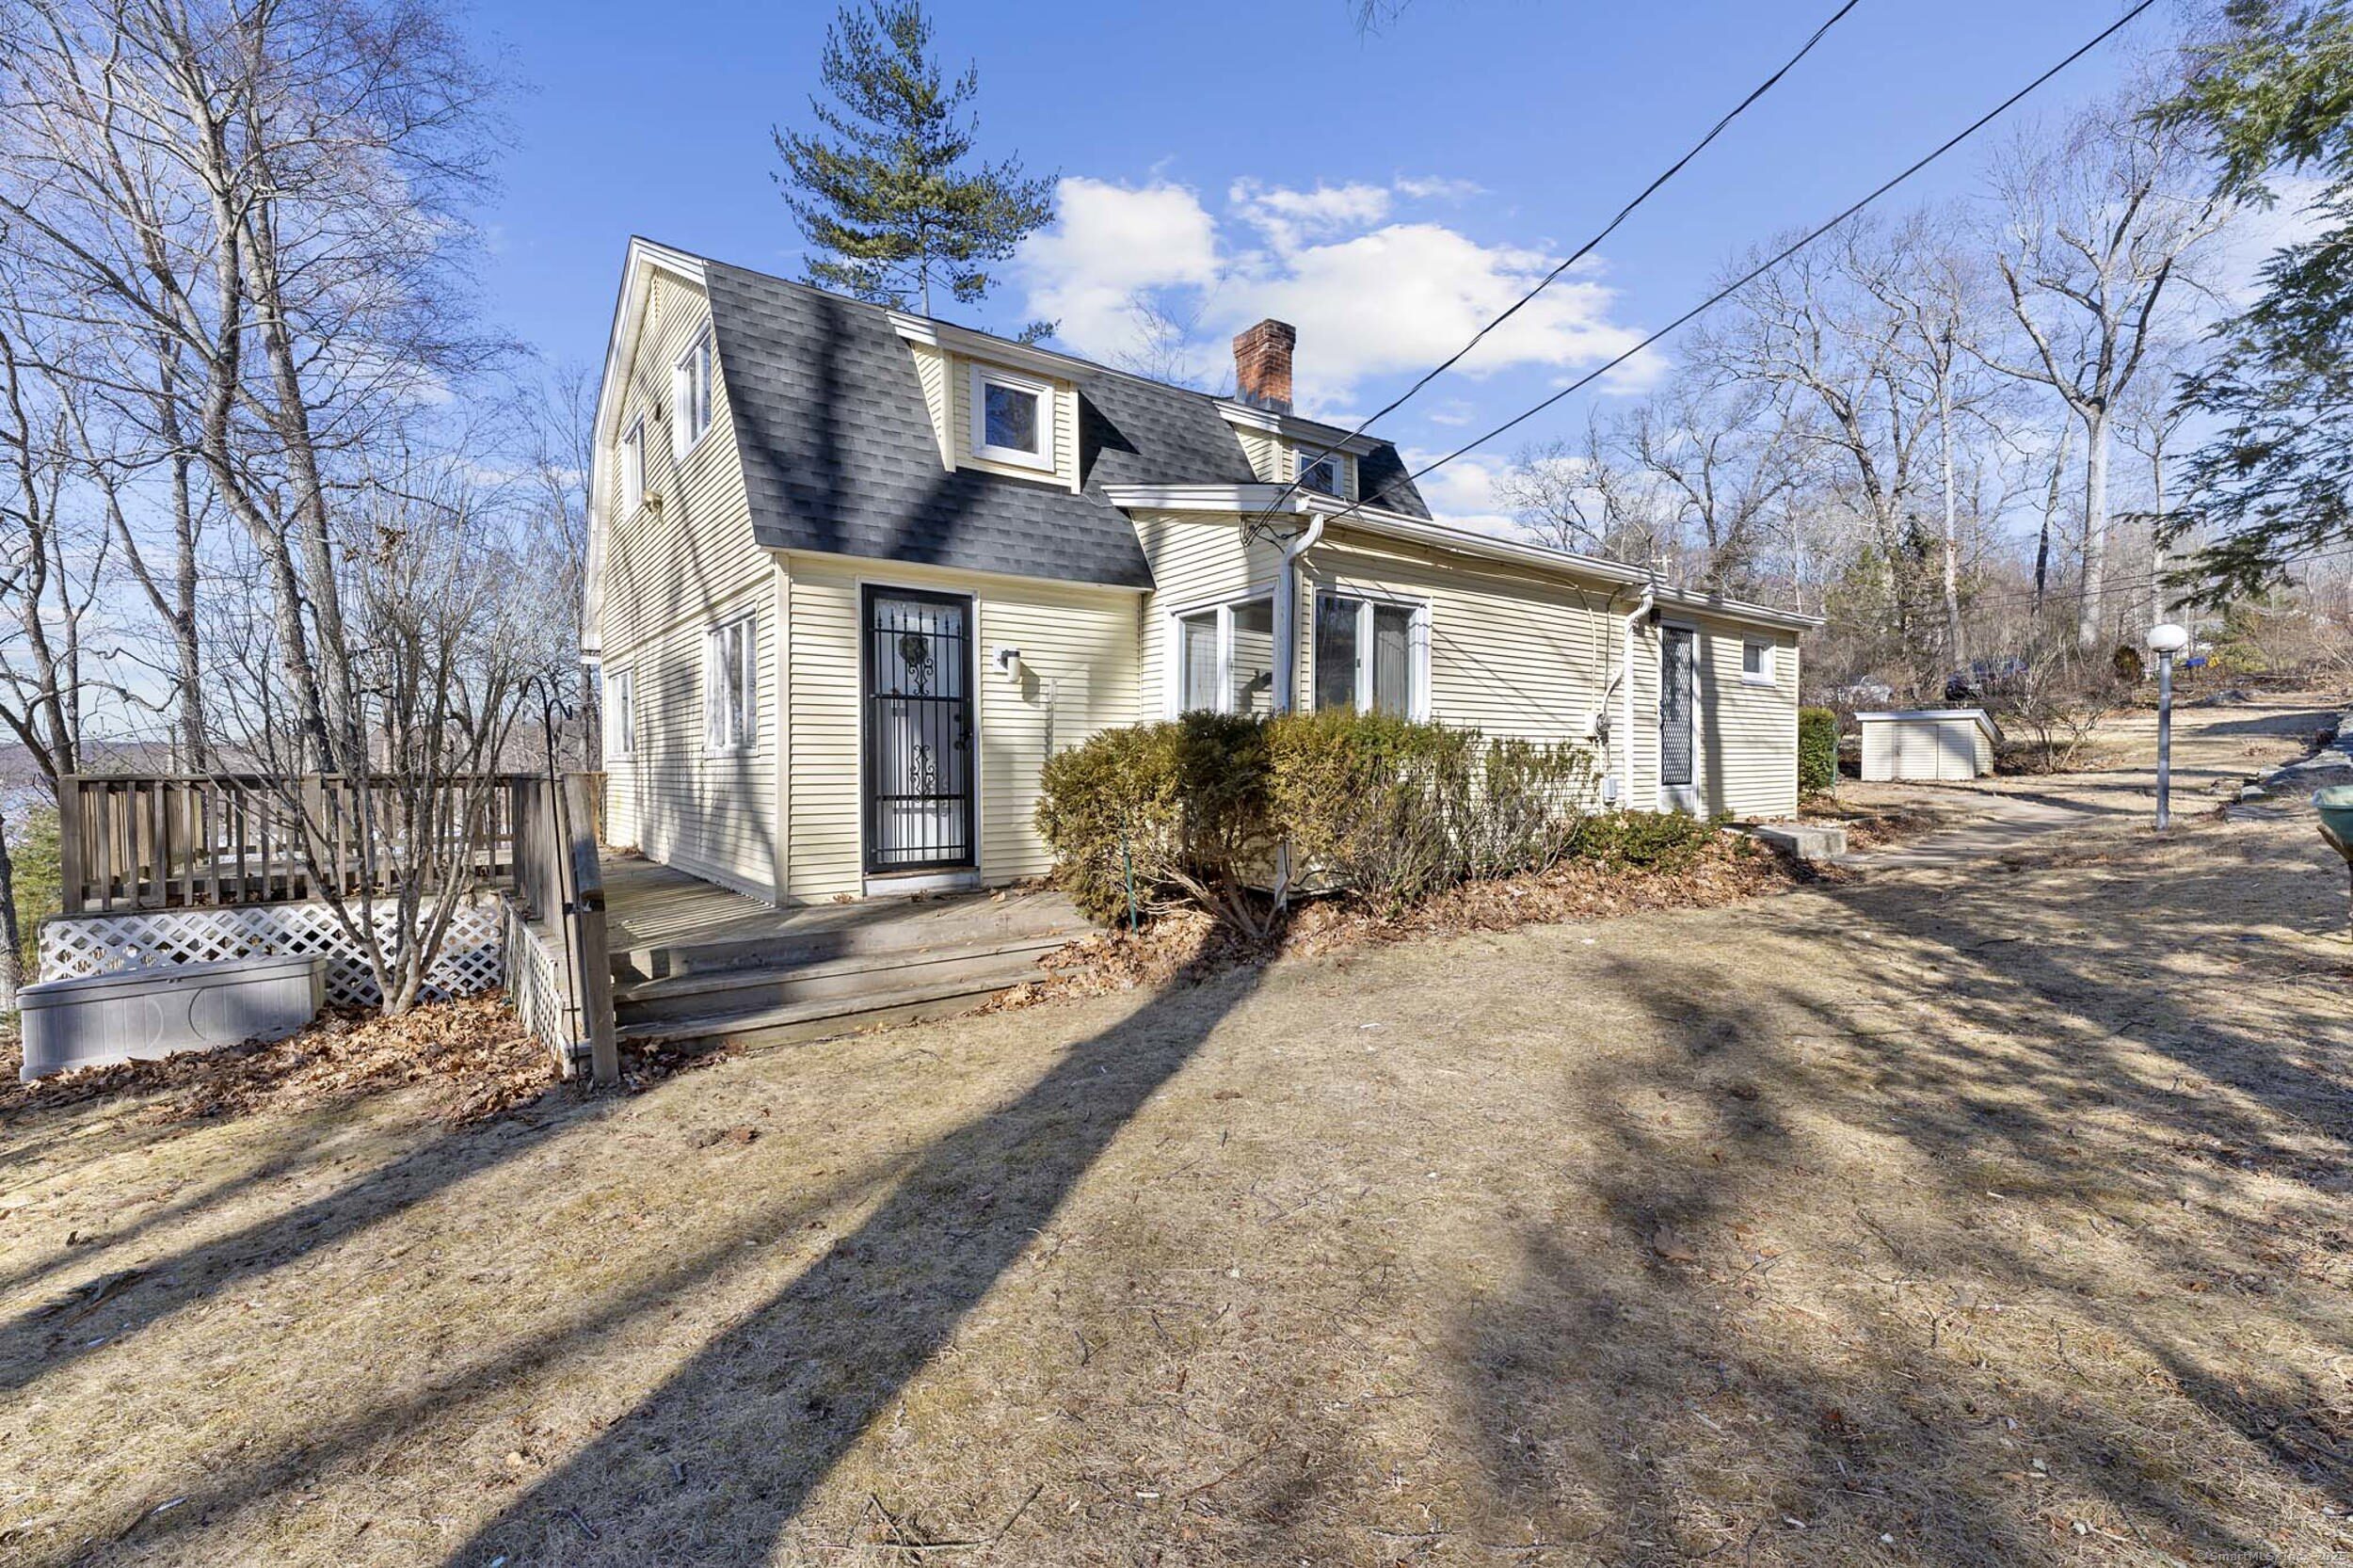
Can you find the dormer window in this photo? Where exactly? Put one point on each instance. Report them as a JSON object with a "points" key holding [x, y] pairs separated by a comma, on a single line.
{"points": [[1012, 418], [691, 389], [1321, 477]]}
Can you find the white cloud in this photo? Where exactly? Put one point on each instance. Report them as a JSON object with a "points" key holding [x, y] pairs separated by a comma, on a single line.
{"points": [[1406, 295], [1371, 296], [1437, 189], [1289, 218], [1108, 243], [1464, 492]]}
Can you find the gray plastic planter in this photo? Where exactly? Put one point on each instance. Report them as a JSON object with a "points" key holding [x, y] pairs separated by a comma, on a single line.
{"points": [[139, 1014]]}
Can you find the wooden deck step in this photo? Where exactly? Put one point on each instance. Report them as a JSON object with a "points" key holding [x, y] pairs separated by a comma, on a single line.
{"points": [[824, 1017], [719, 992], [822, 936]]}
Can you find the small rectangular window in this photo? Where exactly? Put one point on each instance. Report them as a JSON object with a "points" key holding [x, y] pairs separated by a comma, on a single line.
{"points": [[632, 468], [1756, 663], [730, 685], [1322, 476], [692, 413], [1011, 416], [620, 713], [1012, 419]]}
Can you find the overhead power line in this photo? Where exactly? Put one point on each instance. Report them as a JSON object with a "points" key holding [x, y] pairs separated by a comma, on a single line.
{"points": [[1784, 254], [1570, 260]]}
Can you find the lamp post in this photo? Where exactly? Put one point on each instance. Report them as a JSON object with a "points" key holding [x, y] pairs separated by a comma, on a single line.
{"points": [[2164, 640]]}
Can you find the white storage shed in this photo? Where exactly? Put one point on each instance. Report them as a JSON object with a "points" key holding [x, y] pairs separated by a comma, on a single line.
{"points": [[1927, 744]]}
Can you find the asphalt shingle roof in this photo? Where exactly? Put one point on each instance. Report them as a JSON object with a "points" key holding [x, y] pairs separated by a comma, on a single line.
{"points": [[839, 454]]}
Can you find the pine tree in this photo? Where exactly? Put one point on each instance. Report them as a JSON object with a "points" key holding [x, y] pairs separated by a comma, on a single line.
{"points": [[2274, 482], [881, 192]]}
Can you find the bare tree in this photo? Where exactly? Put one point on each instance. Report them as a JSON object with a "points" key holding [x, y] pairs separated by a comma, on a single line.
{"points": [[268, 194], [1726, 460], [243, 229], [2101, 231], [48, 582], [1821, 333], [1587, 498]]}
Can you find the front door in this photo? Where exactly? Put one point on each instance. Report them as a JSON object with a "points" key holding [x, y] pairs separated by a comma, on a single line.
{"points": [[1675, 717], [918, 731]]}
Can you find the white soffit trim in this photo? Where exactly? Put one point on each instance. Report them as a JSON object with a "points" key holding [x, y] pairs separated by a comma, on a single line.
{"points": [[1294, 428], [980, 346], [1196, 497]]}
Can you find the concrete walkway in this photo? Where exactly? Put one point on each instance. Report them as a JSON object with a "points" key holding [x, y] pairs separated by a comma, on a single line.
{"points": [[2009, 824]]}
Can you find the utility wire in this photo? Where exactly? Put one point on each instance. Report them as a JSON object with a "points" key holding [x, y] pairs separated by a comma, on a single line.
{"points": [[1577, 255], [1758, 271]]}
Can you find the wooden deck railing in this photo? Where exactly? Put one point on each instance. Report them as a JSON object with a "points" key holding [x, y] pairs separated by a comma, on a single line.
{"points": [[165, 842], [559, 881]]}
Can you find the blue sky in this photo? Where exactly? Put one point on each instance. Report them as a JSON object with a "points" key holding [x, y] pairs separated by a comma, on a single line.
{"points": [[1246, 159]]}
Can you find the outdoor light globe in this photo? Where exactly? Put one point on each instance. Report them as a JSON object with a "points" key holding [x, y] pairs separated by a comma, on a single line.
{"points": [[2169, 638]]}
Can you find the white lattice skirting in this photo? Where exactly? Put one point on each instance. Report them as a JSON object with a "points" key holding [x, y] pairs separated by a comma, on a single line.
{"points": [[75, 944], [536, 986]]}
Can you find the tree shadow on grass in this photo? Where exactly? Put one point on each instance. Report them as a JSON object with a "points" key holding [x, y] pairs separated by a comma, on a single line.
{"points": [[752, 1422], [1670, 1394], [35, 1342]]}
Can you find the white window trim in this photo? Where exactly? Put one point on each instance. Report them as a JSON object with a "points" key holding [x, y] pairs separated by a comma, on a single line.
{"points": [[1418, 645], [739, 745], [1043, 458], [634, 466], [683, 437], [620, 712], [1343, 472], [1173, 651], [1767, 674]]}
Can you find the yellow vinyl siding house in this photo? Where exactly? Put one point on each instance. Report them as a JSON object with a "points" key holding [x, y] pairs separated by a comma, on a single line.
{"points": [[855, 575]]}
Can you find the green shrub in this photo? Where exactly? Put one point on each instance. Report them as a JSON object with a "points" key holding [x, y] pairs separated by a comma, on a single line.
{"points": [[1370, 801], [1643, 841], [1817, 751], [1395, 810], [1391, 809], [1184, 803]]}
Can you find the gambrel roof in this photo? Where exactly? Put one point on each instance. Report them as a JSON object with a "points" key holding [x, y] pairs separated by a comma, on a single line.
{"points": [[839, 452]]}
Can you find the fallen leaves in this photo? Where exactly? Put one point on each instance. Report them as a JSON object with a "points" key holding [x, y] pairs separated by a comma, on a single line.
{"points": [[476, 1059]]}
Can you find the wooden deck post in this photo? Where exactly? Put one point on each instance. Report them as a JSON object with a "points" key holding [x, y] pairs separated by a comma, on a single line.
{"points": [[70, 867], [587, 928]]}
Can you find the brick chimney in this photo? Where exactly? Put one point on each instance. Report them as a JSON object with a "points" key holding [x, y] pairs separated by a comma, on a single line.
{"points": [[1262, 365]]}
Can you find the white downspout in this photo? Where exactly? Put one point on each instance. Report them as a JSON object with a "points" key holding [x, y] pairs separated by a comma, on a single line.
{"points": [[1626, 695], [1287, 616], [1287, 664]]}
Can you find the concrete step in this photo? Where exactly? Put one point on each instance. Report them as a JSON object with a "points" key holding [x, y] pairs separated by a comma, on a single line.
{"points": [[824, 1018], [717, 993], [826, 940]]}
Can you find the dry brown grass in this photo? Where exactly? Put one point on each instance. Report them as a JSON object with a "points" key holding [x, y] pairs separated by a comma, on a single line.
{"points": [[1997, 1217]]}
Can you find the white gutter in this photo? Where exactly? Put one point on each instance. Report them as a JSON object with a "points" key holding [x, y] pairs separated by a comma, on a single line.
{"points": [[1287, 616]]}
